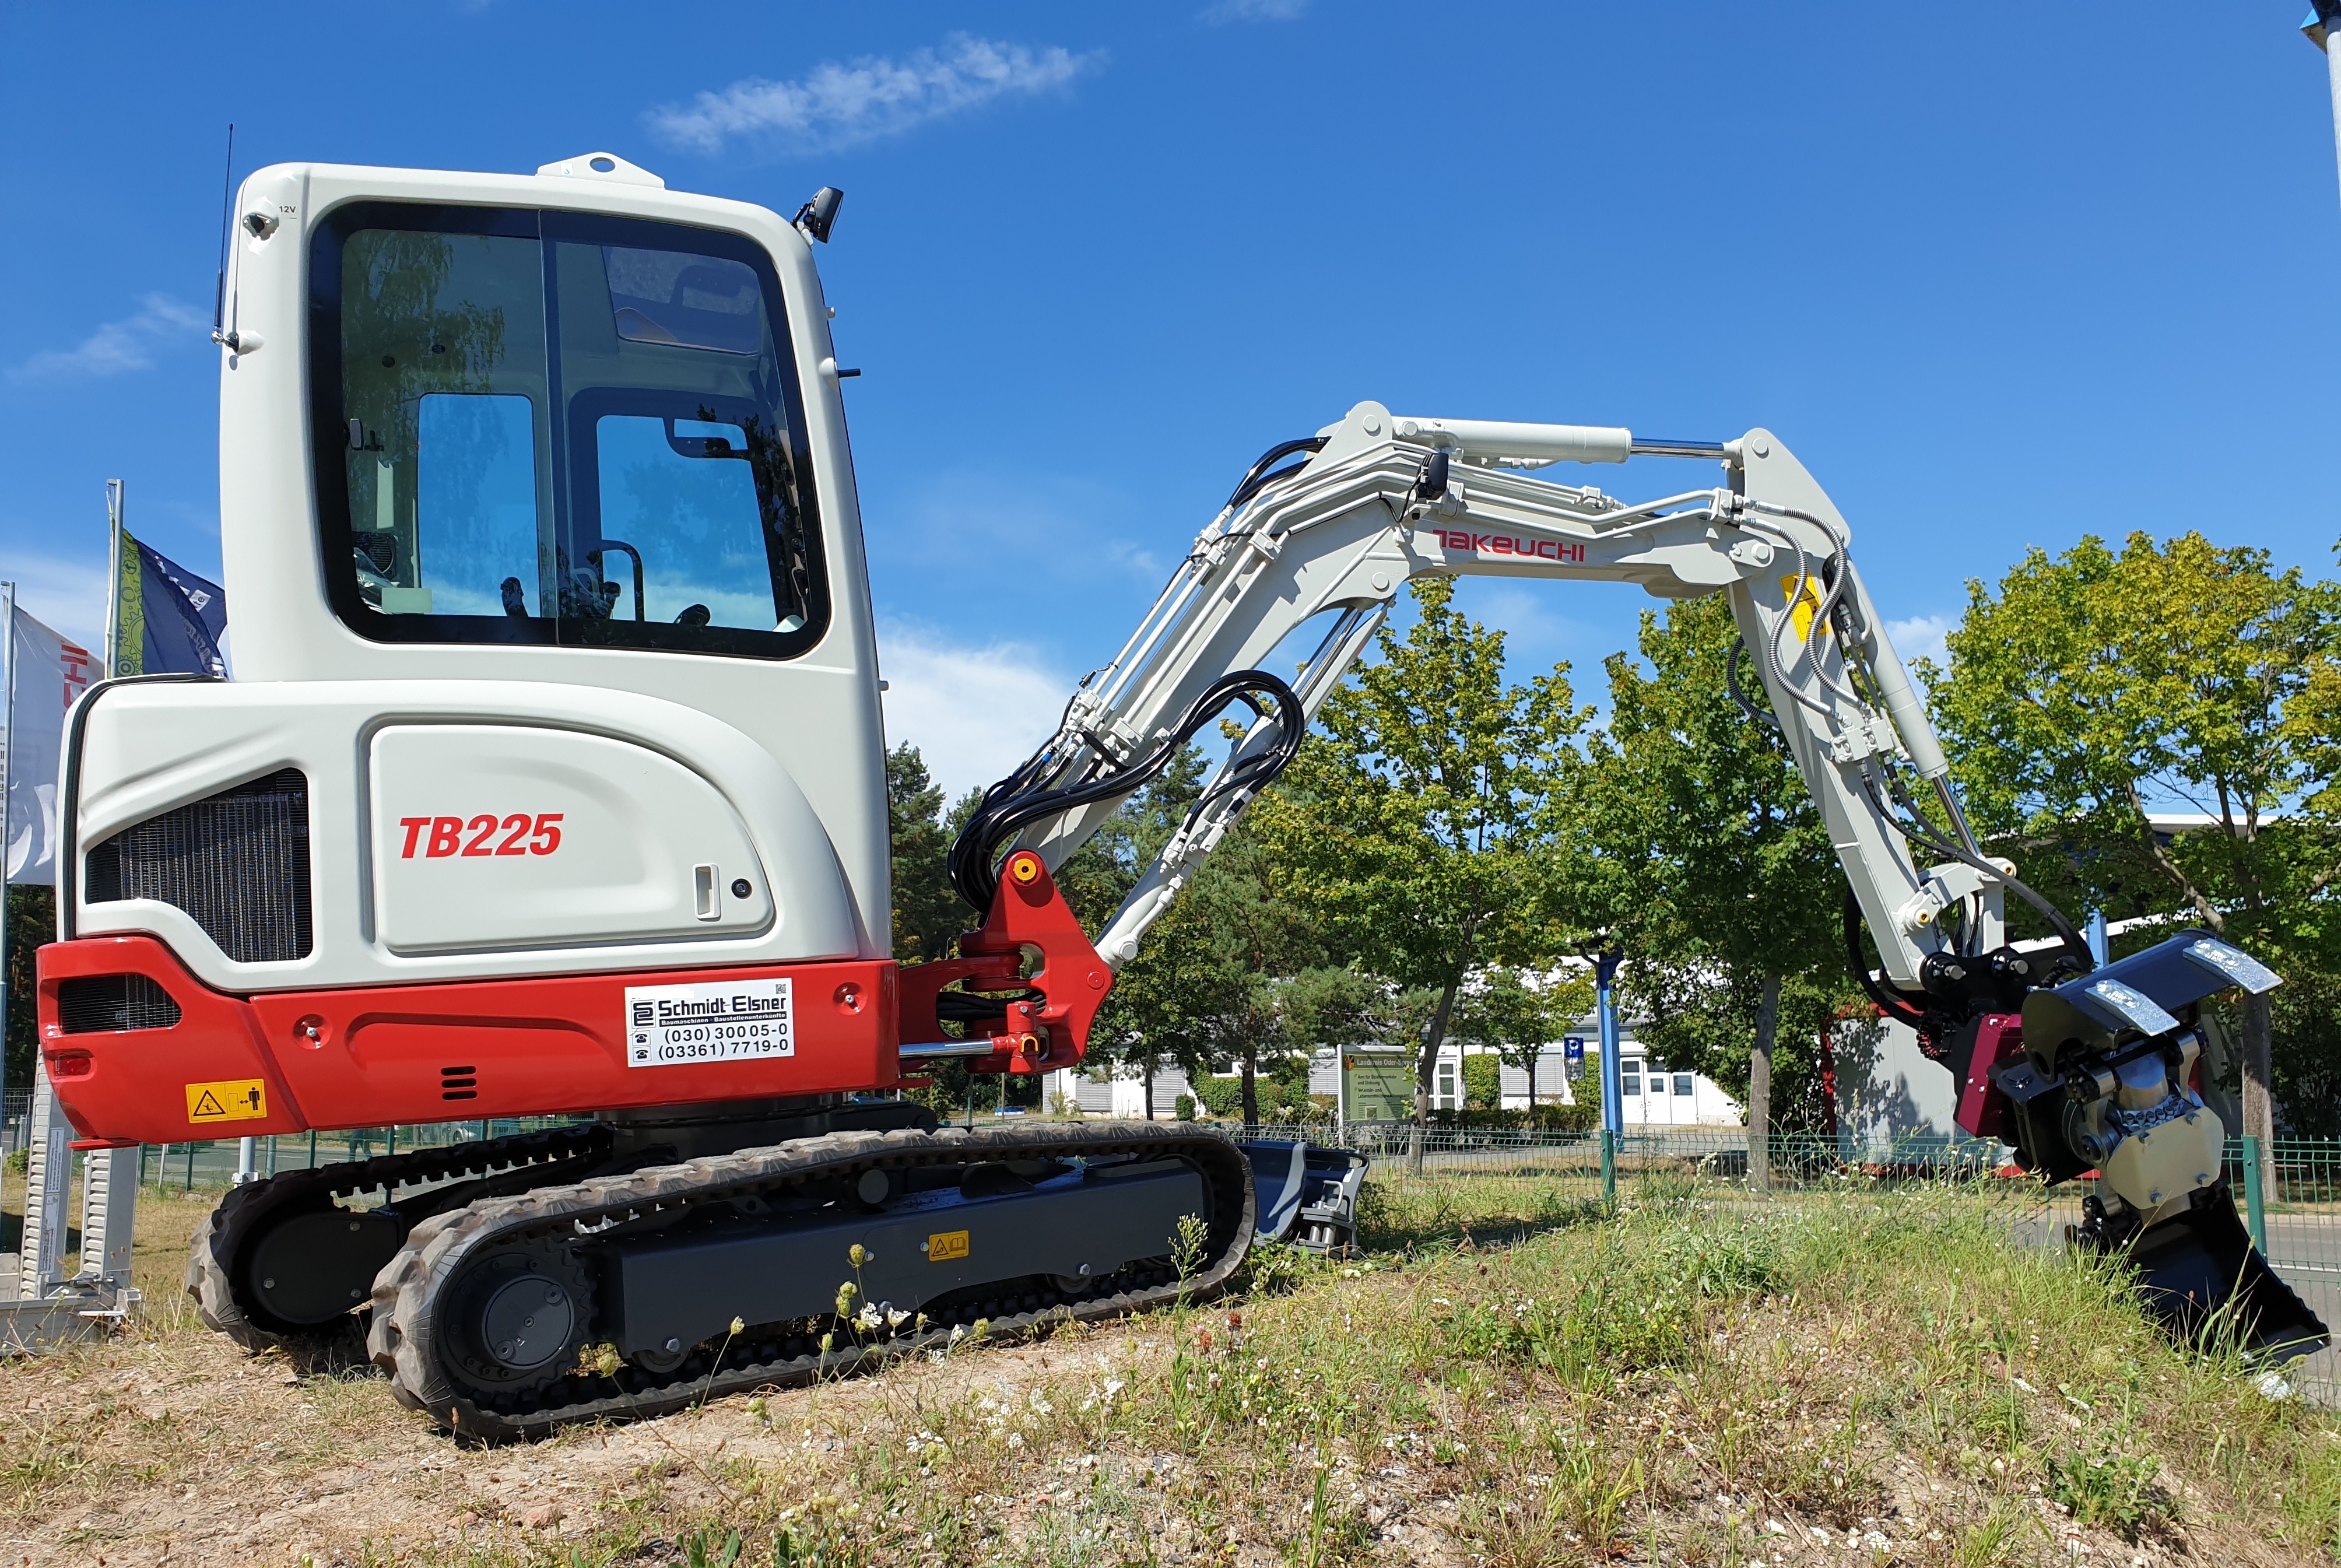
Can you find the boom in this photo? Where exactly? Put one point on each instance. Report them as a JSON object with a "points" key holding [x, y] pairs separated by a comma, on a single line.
{"points": [[1379, 499]]}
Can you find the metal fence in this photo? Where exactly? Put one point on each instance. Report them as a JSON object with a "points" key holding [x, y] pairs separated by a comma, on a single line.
{"points": [[186, 1166]]}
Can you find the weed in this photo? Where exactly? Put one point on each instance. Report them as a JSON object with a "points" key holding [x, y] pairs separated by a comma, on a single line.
{"points": [[2106, 1487]]}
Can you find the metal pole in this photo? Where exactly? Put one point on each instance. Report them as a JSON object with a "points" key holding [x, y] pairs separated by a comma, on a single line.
{"points": [[1613, 1092], [2319, 27], [113, 573], [7, 819], [2255, 1194], [2094, 933]]}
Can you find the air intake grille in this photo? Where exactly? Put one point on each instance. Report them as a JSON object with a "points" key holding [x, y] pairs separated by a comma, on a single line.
{"points": [[236, 861], [103, 1004]]}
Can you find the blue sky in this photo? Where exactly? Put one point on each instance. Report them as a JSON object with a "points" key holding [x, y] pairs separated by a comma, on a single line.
{"points": [[2000, 274]]}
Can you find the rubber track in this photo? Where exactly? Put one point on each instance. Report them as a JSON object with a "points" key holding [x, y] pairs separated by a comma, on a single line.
{"points": [[222, 1230], [403, 1329]]}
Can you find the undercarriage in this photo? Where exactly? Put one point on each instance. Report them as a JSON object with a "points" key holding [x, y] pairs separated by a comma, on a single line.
{"points": [[516, 1284]]}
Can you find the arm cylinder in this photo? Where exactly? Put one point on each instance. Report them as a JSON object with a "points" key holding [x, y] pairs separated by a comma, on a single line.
{"points": [[1500, 438]]}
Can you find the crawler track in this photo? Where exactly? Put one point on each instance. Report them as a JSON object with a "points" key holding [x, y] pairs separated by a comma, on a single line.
{"points": [[412, 1336], [222, 1241]]}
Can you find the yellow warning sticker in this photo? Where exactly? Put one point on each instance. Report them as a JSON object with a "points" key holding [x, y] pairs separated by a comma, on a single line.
{"points": [[230, 1100], [1803, 597], [947, 1246]]}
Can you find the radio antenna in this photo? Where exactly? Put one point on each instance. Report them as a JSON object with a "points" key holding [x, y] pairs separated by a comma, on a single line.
{"points": [[227, 206]]}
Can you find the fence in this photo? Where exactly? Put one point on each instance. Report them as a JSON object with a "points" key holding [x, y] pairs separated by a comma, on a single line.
{"points": [[186, 1166]]}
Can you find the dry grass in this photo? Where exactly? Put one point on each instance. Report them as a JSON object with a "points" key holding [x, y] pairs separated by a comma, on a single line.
{"points": [[1869, 1378]]}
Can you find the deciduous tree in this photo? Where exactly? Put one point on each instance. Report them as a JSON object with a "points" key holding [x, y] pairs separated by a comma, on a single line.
{"points": [[1413, 827], [2096, 687]]}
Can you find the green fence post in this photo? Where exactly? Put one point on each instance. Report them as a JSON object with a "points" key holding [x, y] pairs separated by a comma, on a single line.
{"points": [[191, 1167], [312, 1150], [2254, 1194], [1609, 1167]]}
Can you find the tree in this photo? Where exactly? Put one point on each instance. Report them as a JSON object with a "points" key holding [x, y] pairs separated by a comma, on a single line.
{"points": [[1518, 1018], [1207, 987], [1693, 842], [2096, 687], [927, 913], [1413, 826]]}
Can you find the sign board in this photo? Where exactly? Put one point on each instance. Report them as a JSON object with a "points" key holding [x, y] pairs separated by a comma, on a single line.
{"points": [[1573, 1054], [1376, 1086]]}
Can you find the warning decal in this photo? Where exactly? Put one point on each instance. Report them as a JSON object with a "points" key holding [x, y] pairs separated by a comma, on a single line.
{"points": [[731, 1021], [946, 1245], [230, 1100]]}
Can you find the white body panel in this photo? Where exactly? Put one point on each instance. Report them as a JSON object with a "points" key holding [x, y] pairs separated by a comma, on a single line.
{"points": [[148, 748], [794, 746], [490, 836]]}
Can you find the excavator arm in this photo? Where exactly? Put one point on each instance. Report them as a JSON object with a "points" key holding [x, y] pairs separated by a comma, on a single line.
{"points": [[2112, 1070]]}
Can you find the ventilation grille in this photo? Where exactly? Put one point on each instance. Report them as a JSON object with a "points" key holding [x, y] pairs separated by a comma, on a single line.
{"points": [[459, 1084], [236, 861], [105, 1004]]}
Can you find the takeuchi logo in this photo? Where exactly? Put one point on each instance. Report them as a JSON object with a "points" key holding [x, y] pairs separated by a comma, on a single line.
{"points": [[1508, 544]]}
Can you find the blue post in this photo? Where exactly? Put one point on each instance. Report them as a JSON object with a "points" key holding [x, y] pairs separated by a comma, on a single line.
{"points": [[1613, 1091], [2094, 933]]}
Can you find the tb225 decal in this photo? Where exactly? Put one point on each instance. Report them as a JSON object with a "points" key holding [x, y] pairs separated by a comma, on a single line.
{"points": [[439, 837]]}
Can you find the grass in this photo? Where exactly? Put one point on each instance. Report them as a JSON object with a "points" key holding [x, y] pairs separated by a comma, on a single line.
{"points": [[1506, 1373]]}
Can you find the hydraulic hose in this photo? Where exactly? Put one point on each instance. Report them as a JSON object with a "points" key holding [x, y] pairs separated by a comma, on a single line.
{"points": [[1016, 801]]}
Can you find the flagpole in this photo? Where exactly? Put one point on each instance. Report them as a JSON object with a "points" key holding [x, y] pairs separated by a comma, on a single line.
{"points": [[8, 764], [114, 571]]}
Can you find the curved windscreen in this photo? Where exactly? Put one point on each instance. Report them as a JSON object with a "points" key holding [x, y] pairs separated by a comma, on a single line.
{"points": [[547, 427]]}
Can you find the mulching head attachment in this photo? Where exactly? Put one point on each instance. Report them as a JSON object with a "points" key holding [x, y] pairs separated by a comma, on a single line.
{"points": [[2203, 1278]]}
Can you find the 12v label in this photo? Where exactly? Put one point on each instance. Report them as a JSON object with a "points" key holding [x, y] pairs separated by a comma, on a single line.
{"points": [[735, 1021]]}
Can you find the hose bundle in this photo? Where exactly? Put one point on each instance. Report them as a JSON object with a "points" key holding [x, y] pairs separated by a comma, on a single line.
{"points": [[1020, 799]]}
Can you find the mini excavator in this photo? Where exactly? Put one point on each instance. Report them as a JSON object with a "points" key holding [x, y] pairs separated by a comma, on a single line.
{"points": [[552, 782]]}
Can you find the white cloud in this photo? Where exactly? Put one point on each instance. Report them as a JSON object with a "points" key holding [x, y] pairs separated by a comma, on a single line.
{"points": [[1225, 11], [973, 712], [65, 594], [841, 105], [116, 346], [1922, 637]]}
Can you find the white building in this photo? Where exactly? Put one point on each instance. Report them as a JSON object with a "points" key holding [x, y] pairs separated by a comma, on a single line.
{"points": [[1654, 1094]]}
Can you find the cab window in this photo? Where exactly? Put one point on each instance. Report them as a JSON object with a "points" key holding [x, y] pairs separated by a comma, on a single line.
{"points": [[550, 428]]}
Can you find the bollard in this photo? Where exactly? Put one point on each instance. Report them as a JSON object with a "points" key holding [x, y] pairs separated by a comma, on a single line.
{"points": [[2254, 1194]]}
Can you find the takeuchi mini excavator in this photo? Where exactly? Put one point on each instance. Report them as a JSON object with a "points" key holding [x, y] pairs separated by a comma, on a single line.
{"points": [[552, 782]]}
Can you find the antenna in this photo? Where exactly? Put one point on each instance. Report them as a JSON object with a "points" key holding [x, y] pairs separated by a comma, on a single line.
{"points": [[227, 205]]}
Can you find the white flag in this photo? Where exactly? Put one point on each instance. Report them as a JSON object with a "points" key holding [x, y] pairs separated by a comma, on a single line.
{"points": [[46, 674]]}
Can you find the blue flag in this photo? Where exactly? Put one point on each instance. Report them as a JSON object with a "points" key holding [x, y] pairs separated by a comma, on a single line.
{"points": [[166, 619]]}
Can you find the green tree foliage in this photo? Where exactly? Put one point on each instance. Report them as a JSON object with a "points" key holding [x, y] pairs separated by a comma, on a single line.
{"points": [[1483, 1081], [1517, 1018], [32, 915], [1412, 828], [2097, 686], [1692, 841], [927, 913], [1207, 987]]}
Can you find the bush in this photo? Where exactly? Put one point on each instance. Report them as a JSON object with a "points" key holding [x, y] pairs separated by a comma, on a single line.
{"points": [[1483, 1081], [1220, 1096], [1184, 1108], [1549, 1118]]}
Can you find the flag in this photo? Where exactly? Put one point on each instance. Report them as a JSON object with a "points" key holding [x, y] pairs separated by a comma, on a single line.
{"points": [[166, 619], [46, 674]]}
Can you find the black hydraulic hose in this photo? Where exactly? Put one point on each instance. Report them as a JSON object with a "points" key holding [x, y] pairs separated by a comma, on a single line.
{"points": [[2049, 912], [1258, 478], [1893, 1002], [1016, 801]]}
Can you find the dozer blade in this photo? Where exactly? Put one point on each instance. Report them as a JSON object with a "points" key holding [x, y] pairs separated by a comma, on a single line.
{"points": [[2206, 1281]]}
